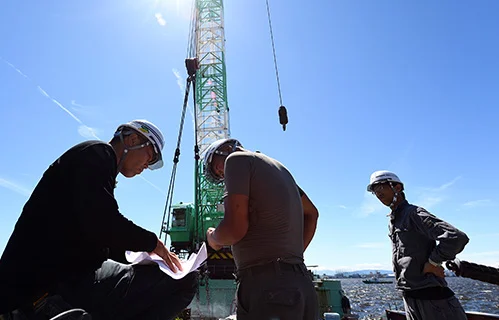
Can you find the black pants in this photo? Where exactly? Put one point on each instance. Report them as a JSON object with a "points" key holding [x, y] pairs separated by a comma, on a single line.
{"points": [[276, 291], [441, 309], [119, 291]]}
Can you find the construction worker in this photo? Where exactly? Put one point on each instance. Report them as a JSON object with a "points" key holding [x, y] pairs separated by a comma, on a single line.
{"points": [[58, 256], [269, 222], [421, 243]]}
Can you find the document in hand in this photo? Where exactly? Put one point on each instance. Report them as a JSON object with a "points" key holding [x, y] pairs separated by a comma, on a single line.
{"points": [[189, 265]]}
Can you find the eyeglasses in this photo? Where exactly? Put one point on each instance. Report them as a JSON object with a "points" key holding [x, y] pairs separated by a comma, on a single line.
{"points": [[155, 155], [378, 188]]}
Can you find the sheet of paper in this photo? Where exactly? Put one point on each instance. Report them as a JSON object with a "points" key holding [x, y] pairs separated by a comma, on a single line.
{"points": [[189, 265]]}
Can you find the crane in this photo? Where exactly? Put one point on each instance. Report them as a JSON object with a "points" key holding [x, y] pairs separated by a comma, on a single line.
{"points": [[206, 71], [207, 76]]}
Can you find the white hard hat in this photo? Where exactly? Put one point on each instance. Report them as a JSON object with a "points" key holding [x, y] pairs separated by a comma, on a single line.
{"points": [[208, 157], [382, 176], [153, 135]]}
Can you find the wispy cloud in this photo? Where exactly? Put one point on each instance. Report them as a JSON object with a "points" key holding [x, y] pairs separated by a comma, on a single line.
{"points": [[371, 245], [83, 129], [90, 133], [371, 205], [442, 187], [44, 93], [90, 111], [427, 197], [431, 196], [448, 184], [79, 106], [178, 7], [73, 103], [154, 186], [180, 83], [429, 201], [87, 132], [15, 68], [13, 186], [159, 18], [342, 206], [477, 203]]}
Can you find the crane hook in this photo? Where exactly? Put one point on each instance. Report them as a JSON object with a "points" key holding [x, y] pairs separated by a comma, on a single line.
{"points": [[283, 117]]}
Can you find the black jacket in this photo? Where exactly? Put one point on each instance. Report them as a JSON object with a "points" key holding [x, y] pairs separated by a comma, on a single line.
{"points": [[418, 236], [68, 227]]}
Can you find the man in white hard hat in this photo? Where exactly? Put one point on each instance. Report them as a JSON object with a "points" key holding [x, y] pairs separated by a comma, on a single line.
{"points": [[421, 243], [58, 256], [269, 222]]}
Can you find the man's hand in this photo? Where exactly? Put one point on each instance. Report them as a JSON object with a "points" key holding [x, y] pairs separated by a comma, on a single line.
{"points": [[211, 242], [436, 270], [170, 258]]}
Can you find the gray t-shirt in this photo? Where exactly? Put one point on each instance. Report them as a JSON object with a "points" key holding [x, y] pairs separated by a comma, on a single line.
{"points": [[275, 210]]}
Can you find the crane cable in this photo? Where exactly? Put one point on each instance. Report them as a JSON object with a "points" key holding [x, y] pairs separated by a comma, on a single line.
{"points": [[169, 196], [283, 114], [191, 50]]}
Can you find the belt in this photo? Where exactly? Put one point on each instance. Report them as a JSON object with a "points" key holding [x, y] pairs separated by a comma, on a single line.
{"points": [[39, 300], [29, 308], [430, 293], [274, 267]]}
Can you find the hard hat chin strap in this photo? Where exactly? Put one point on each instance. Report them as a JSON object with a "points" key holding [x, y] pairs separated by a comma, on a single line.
{"points": [[123, 154], [395, 196], [233, 146], [121, 162]]}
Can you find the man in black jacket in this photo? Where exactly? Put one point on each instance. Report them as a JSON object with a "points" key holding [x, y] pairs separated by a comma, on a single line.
{"points": [[71, 227], [421, 242]]}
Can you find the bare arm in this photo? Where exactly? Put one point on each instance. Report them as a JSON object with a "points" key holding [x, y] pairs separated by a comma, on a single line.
{"points": [[310, 217], [235, 223]]}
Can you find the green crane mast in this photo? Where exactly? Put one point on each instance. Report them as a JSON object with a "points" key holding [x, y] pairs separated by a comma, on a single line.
{"points": [[206, 71], [207, 44]]}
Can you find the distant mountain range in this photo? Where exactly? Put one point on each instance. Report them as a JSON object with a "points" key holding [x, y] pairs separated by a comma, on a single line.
{"points": [[364, 273], [349, 273]]}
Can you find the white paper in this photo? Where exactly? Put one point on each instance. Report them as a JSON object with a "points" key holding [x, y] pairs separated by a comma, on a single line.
{"points": [[189, 265]]}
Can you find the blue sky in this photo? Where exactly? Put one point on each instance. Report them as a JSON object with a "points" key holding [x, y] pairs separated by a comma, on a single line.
{"points": [[369, 85]]}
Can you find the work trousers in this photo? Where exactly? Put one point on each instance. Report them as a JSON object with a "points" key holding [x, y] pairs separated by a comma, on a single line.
{"points": [[119, 291], [443, 309], [276, 291]]}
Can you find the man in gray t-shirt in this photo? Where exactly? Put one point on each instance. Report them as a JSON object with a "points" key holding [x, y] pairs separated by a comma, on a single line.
{"points": [[268, 221]]}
